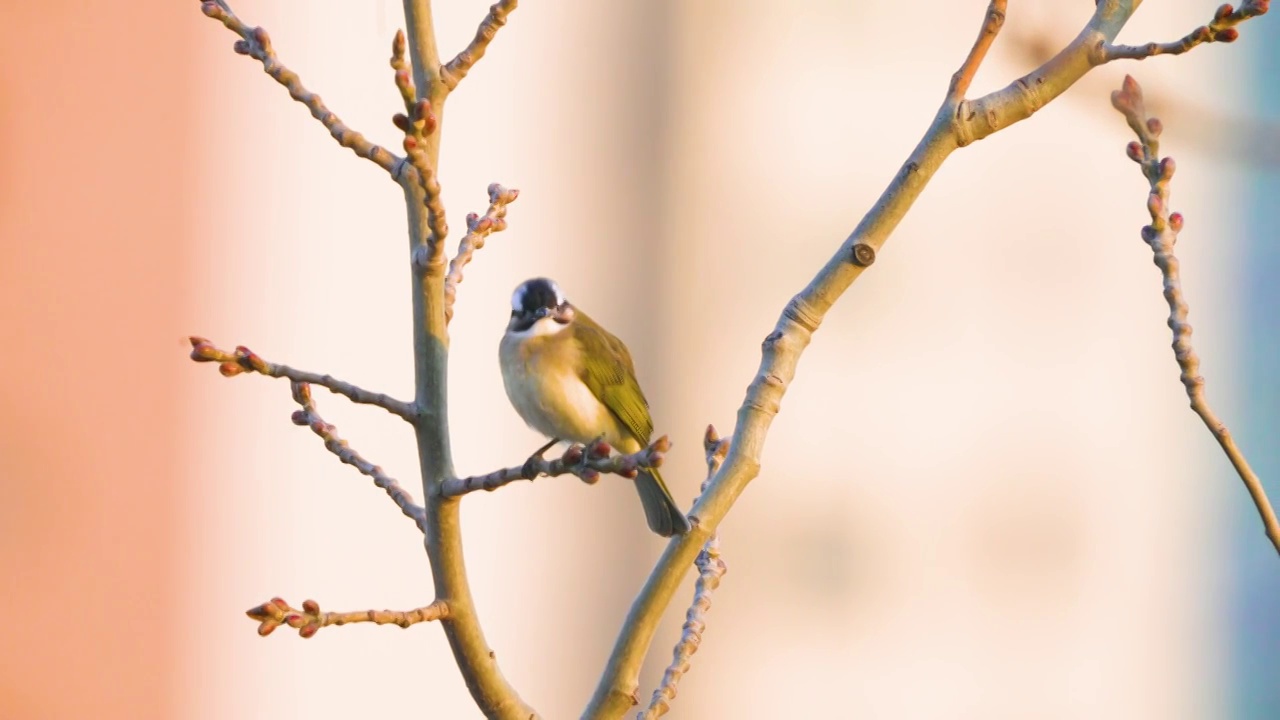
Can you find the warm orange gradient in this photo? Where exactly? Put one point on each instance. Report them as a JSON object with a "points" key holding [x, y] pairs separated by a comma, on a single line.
{"points": [[984, 497], [95, 109]]}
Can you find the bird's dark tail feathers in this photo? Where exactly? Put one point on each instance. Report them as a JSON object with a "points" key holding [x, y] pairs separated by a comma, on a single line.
{"points": [[660, 509]]}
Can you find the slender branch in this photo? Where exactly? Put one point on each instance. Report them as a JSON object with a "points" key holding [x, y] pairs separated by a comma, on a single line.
{"points": [[957, 124], [493, 695], [478, 228], [1221, 29], [456, 69], [245, 360], [308, 620], [963, 77], [711, 568], [1161, 235], [308, 417], [418, 124], [586, 464], [255, 43]]}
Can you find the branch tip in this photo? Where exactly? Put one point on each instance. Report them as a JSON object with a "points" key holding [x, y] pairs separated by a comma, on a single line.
{"points": [[453, 71], [479, 227], [308, 620], [1222, 28], [255, 42], [1161, 235], [992, 22]]}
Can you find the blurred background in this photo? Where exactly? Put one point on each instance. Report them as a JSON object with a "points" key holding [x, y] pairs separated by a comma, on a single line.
{"points": [[985, 496]]}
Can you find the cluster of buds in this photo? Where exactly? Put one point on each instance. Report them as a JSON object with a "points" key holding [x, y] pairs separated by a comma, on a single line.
{"points": [[231, 364], [276, 612]]}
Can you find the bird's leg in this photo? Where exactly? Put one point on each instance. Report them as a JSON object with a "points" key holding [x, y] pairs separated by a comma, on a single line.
{"points": [[529, 470], [543, 450]]}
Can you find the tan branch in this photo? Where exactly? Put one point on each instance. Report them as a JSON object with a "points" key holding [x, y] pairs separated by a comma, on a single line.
{"points": [[711, 568], [478, 228], [310, 618], [493, 694], [587, 464], [1221, 29], [245, 360], [963, 77], [957, 124], [1161, 235], [418, 123], [256, 43], [308, 417], [456, 69]]}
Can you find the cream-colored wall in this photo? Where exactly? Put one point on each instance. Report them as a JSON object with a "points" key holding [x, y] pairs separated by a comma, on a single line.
{"points": [[984, 496]]}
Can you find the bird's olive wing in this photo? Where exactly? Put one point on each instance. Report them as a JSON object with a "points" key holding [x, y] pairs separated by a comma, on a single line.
{"points": [[609, 373]]}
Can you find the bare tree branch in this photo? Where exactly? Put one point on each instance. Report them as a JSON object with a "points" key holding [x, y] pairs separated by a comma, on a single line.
{"points": [[586, 464], [245, 360], [710, 569], [1221, 29], [494, 696], [255, 43], [456, 69], [308, 621], [308, 417], [963, 77], [957, 124], [418, 124], [478, 228], [1161, 235]]}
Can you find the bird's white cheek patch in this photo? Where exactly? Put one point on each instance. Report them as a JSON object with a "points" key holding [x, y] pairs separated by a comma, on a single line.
{"points": [[545, 326]]}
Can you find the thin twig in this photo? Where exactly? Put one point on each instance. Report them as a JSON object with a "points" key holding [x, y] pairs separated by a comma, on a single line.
{"points": [[418, 122], [963, 77], [1161, 235], [245, 360], [587, 464], [256, 43], [478, 228], [1221, 29], [310, 618], [456, 69], [711, 568], [308, 417]]}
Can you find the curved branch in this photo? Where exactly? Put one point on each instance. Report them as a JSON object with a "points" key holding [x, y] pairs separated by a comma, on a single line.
{"points": [[1161, 235], [957, 124]]}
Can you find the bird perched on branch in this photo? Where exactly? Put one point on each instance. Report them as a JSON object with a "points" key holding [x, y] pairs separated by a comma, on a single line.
{"points": [[570, 379]]}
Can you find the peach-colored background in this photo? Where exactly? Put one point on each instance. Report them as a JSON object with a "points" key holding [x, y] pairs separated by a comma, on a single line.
{"points": [[984, 496]]}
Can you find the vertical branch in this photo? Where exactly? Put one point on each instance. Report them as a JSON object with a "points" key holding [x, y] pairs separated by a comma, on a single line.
{"points": [[492, 693]]}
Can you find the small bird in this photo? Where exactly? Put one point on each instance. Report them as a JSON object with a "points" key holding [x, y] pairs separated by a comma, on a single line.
{"points": [[570, 379]]}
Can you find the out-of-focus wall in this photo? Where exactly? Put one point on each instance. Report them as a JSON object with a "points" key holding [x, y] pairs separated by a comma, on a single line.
{"points": [[984, 495], [95, 168]]}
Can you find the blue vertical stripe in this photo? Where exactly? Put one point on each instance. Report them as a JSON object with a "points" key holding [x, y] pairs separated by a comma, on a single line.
{"points": [[1254, 677]]}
